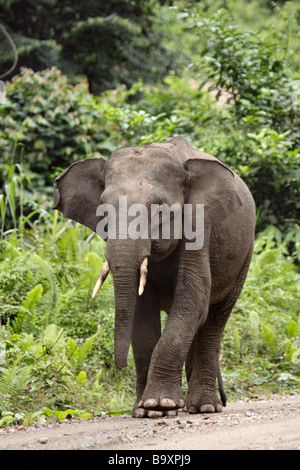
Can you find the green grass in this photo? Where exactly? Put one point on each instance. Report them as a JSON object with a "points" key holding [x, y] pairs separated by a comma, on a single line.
{"points": [[261, 343]]}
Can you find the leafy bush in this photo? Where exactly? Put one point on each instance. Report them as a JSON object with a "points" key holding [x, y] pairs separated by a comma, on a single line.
{"points": [[262, 338], [262, 139], [45, 370], [239, 61], [44, 124], [56, 342], [269, 164], [36, 280]]}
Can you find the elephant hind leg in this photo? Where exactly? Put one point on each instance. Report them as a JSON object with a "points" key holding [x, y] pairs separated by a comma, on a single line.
{"points": [[202, 364]]}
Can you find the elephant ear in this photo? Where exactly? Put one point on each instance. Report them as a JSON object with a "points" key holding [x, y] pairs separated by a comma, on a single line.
{"points": [[77, 191], [213, 184]]}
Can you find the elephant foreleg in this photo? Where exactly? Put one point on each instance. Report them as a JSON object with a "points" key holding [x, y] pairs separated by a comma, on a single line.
{"points": [[146, 333]]}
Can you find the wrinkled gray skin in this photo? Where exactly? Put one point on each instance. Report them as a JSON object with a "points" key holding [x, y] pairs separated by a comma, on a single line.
{"points": [[197, 289]]}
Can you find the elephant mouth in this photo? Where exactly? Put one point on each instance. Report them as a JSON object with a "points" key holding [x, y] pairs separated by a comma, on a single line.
{"points": [[106, 269], [160, 249]]}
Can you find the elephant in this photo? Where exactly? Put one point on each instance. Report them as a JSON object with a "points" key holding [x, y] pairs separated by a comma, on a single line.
{"points": [[196, 287]]}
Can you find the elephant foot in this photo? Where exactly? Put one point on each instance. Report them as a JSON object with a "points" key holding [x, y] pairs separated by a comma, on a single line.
{"points": [[158, 406], [203, 404]]}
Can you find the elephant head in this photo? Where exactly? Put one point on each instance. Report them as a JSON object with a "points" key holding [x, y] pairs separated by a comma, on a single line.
{"points": [[160, 173]]}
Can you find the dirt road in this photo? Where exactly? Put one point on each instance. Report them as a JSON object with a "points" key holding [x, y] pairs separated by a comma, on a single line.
{"points": [[244, 425]]}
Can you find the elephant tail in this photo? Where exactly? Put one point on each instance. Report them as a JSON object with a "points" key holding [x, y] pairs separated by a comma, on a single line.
{"points": [[221, 386]]}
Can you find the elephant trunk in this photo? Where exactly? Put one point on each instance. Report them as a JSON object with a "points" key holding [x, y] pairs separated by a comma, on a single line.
{"points": [[125, 263], [125, 287]]}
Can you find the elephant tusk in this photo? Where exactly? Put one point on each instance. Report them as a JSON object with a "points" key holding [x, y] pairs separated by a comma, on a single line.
{"points": [[103, 275], [143, 275]]}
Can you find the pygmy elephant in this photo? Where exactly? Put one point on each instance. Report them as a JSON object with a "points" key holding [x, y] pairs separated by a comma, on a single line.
{"points": [[194, 271]]}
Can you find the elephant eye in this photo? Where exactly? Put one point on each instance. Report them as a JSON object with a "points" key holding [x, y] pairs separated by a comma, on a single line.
{"points": [[106, 197], [103, 198], [187, 177]]}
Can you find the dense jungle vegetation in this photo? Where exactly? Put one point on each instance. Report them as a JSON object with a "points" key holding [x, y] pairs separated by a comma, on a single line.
{"points": [[94, 76]]}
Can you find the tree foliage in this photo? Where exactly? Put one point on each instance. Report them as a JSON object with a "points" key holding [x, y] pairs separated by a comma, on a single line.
{"points": [[108, 42]]}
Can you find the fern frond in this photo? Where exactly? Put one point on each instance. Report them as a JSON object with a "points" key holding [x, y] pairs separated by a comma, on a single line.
{"points": [[49, 302], [13, 383]]}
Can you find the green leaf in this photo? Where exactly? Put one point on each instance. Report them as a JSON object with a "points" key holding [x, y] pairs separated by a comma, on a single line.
{"points": [[2, 207], [61, 415], [39, 145], [33, 296], [6, 420], [81, 377], [117, 413], [292, 328]]}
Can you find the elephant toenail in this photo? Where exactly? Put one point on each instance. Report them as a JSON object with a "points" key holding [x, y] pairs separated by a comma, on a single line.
{"points": [[139, 413], [150, 403], [192, 409], [181, 403], [155, 414], [207, 408], [219, 408], [167, 403], [171, 413]]}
